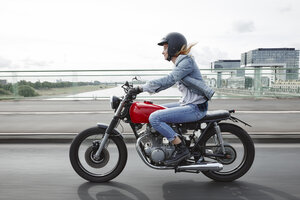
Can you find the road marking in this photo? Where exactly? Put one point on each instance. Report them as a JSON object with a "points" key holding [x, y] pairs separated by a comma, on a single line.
{"points": [[269, 112], [111, 112], [54, 112], [46, 134]]}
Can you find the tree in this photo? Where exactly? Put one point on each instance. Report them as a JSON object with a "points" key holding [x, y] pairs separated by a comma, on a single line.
{"points": [[4, 92], [26, 91]]}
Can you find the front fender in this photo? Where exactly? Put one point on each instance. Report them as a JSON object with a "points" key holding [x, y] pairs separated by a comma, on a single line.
{"points": [[115, 132]]}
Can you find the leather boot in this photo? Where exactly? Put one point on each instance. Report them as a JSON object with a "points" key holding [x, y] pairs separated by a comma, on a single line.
{"points": [[181, 152]]}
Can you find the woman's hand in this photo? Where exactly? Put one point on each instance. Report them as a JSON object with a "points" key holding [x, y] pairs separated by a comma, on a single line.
{"points": [[135, 90]]}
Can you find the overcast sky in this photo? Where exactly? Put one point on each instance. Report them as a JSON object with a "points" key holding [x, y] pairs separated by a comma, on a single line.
{"points": [[106, 34]]}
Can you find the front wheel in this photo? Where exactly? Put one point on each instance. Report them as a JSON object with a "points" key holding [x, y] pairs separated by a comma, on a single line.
{"points": [[112, 159], [239, 152]]}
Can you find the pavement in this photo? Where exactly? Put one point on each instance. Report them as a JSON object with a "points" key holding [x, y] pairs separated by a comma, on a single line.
{"points": [[43, 171], [272, 120]]}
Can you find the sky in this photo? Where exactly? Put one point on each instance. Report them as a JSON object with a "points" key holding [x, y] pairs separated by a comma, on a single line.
{"points": [[118, 34]]}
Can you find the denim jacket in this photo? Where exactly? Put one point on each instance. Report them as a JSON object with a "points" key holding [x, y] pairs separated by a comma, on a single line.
{"points": [[185, 71]]}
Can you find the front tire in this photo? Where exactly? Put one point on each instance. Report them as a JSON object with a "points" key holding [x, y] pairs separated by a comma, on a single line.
{"points": [[112, 159], [235, 138]]}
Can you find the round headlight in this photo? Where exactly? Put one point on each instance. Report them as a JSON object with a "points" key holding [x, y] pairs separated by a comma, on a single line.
{"points": [[114, 102]]}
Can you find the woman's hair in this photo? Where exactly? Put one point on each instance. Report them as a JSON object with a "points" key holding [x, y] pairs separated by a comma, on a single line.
{"points": [[185, 49]]}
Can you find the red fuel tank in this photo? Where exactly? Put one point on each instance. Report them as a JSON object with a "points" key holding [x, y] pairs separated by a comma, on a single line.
{"points": [[140, 111]]}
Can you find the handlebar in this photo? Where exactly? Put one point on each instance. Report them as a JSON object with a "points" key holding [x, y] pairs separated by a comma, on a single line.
{"points": [[128, 88]]}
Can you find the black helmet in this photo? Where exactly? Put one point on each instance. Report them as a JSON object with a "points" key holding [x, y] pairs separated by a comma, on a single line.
{"points": [[175, 42]]}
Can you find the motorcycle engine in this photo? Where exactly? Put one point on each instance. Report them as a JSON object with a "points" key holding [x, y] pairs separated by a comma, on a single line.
{"points": [[156, 147]]}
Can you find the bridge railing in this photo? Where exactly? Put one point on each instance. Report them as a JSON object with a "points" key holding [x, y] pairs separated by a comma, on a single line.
{"points": [[259, 82]]}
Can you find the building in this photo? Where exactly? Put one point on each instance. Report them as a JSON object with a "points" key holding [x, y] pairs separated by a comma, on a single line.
{"points": [[284, 62], [227, 66], [232, 66], [239, 82], [291, 86], [3, 82]]}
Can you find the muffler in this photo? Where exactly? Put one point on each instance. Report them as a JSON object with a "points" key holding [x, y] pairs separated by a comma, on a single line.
{"points": [[200, 167]]}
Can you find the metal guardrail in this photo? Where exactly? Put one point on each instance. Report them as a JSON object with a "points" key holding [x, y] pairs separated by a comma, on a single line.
{"points": [[228, 83]]}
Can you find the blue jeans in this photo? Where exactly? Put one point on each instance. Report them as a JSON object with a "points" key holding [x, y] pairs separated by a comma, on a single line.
{"points": [[175, 113]]}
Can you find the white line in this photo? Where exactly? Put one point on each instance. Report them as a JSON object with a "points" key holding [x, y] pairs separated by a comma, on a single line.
{"points": [[54, 112], [49, 134], [24, 134], [269, 112], [111, 112]]}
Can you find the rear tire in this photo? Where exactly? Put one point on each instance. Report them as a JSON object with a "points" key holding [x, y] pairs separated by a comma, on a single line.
{"points": [[85, 169], [246, 160]]}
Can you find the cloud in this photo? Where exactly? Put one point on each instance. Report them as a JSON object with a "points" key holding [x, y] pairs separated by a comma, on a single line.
{"points": [[5, 63], [285, 9], [295, 45], [24, 64], [206, 55], [29, 62], [243, 26]]}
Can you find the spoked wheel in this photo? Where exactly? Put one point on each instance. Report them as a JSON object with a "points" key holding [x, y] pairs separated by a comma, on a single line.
{"points": [[239, 152], [112, 159]]}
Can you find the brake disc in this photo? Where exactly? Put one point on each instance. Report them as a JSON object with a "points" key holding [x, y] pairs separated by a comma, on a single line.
{"points": [[230, 155], [99, 163]]}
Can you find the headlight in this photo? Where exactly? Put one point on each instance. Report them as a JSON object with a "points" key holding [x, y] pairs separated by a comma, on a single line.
{"points": [[114, 102]]}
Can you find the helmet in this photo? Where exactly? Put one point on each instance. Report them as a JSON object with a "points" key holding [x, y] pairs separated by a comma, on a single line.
{"points": [[175, 42]]}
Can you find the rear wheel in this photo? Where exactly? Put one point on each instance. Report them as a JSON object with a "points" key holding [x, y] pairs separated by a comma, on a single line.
{"points": [[239, 152], [112, 159]]}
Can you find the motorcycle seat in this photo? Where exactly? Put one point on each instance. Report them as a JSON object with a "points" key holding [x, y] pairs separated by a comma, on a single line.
{"points": [[215, 115]]}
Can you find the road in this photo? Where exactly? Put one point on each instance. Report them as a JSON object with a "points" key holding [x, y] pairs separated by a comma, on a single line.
{"points": [[278, 116], [43, 171]]}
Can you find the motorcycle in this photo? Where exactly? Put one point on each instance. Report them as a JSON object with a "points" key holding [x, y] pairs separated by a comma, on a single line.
{"points": [[221, 151]]}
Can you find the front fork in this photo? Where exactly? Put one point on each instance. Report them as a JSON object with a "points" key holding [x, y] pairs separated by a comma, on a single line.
{"points": [[110, 129], [104, 140]]}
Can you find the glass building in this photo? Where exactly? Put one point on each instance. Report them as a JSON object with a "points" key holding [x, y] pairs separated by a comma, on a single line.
{"points": [[283, 61], [232, 66]]}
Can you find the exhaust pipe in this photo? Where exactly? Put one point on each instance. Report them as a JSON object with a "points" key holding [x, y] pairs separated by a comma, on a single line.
{"points": [[200, 167]]}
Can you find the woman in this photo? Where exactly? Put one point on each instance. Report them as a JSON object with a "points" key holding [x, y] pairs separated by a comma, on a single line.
{"points": [[195, 93]]}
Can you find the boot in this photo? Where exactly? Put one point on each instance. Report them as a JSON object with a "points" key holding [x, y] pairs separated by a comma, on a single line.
{"points": [[181, 152]]}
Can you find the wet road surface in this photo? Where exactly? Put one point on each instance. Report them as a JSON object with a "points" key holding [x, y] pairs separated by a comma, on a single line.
{"points": [[43, 171]]}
